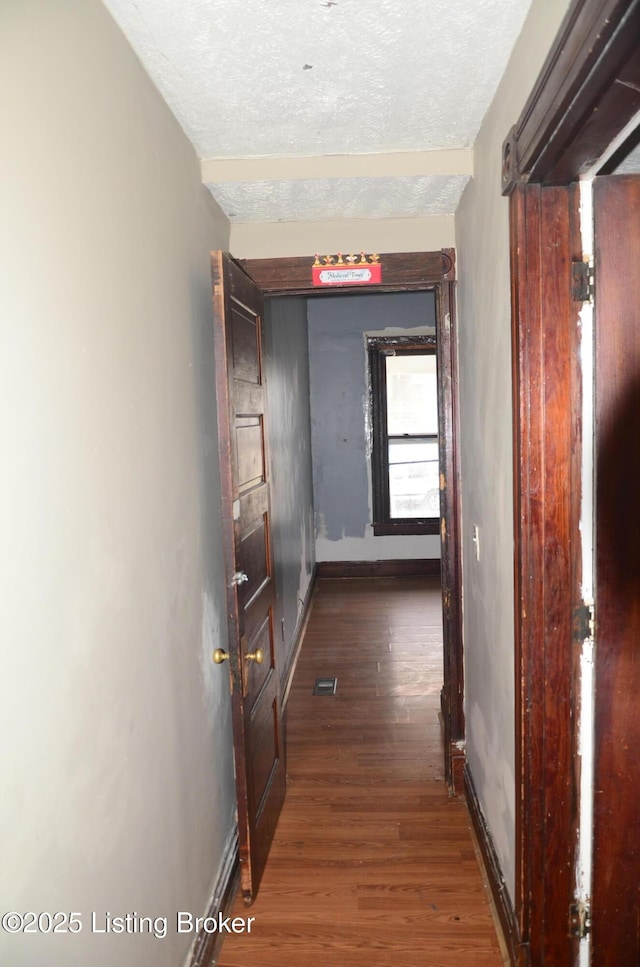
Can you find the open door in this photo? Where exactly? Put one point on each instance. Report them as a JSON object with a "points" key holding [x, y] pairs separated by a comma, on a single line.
{"points": [[257, 728], [616, 846]]}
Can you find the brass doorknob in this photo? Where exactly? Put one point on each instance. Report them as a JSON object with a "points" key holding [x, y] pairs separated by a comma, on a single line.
{"points": [[219, 656], [257, 655]]}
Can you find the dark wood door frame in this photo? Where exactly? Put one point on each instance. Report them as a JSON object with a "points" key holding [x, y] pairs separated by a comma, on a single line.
{"points": [[411, 272], [587, 92], [547, 541]]}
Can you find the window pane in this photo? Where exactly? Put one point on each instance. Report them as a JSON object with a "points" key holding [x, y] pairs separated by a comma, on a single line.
{"points": [[412, 395], [413, 478]]}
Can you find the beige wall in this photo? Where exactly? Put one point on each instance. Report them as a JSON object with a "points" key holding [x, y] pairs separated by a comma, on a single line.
{"points": [[482, 237], [116, 738], [287, 239]]}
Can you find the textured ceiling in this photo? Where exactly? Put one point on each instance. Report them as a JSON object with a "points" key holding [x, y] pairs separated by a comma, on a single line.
{"points": [[319, 199], [282, 78]]}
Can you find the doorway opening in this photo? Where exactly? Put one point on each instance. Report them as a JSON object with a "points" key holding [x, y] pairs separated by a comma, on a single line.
{"points": [[268, 508], [421, 272]]}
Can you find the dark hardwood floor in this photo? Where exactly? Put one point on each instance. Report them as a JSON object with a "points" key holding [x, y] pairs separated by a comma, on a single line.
{"points": [[373, 864]]}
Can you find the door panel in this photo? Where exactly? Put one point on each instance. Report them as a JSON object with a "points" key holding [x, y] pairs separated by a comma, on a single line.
{"points": [[246, 346], [253, 559], [256, 674], [240, 390], [250, 449], [265, 737], [616, 873]]}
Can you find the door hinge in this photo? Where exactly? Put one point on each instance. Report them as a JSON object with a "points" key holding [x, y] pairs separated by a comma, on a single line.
{"points": [[583, 622], [582, 281], [580, 919]]}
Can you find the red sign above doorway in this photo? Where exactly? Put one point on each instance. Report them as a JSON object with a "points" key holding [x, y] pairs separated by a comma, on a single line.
{"points": [[347, 270]]}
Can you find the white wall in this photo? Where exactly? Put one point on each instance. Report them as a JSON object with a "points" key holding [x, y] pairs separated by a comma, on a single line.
{"points": [[482, 240], [118, 790]]}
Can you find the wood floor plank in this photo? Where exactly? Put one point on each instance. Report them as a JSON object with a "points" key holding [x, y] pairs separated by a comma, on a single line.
{"points": [[372, 863]]}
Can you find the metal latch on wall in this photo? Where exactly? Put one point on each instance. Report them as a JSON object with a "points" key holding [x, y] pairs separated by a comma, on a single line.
{"points": [[580, 919], [583, 622], [582, 281]]}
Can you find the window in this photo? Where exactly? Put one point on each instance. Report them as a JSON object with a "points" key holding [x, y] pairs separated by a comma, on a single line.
{"points": [[405, 458]]}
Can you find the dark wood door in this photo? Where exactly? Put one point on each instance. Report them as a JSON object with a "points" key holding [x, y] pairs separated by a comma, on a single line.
{"points": [[616, 874], [258, 738]]}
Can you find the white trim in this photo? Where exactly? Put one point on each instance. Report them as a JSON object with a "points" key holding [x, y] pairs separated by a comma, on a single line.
{"points": [[586, 712]]}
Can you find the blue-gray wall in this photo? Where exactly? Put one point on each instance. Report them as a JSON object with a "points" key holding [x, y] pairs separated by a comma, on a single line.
{"points": [[340, 420], [287, 374]]}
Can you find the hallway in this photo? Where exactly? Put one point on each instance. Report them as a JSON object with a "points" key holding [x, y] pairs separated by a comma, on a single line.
{"points": [[372, 863]]}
